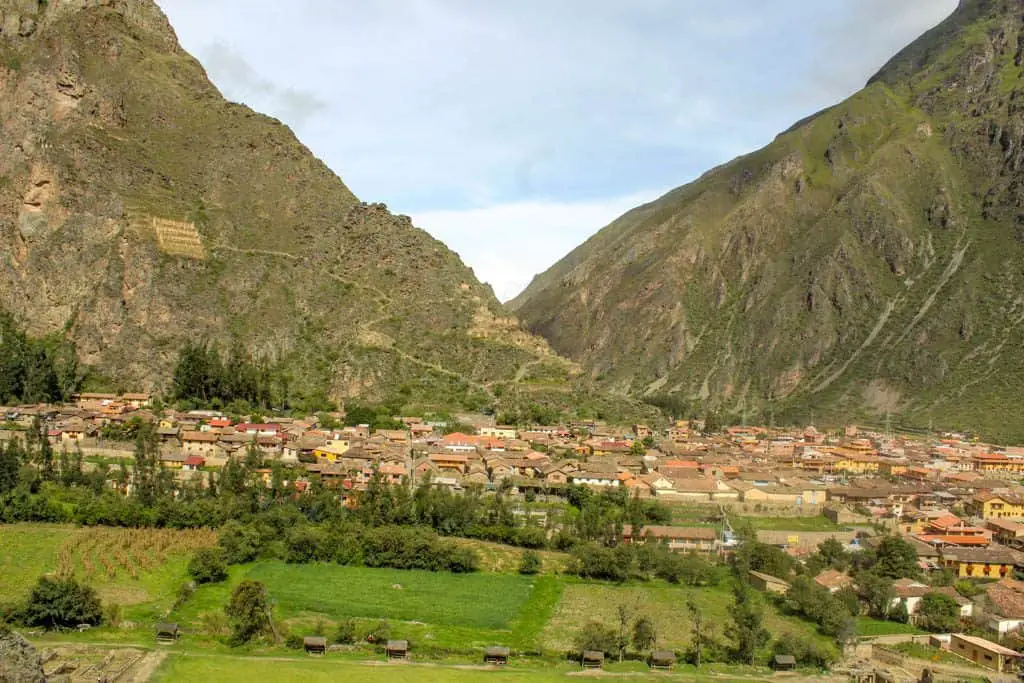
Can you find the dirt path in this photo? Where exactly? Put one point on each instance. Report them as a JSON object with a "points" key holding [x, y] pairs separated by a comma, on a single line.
{"points": [[368, 327], [145, 669]]}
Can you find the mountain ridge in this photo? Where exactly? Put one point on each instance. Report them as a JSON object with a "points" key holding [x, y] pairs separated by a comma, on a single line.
{"points": [[866, 262], [140, 210]]}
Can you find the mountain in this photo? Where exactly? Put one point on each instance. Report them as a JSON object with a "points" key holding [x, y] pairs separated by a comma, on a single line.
{"points": [[140, 210], [868, 262]]}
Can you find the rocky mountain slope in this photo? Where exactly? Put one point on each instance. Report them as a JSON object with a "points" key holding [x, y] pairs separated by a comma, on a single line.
{"points": [[140, 209], [868, 261]]}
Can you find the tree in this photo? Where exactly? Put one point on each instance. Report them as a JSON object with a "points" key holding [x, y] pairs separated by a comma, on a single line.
{"points": [[622, 638], [598, 637], [644, 633], [346, 632], [877, 592], [938, 613], [530, 563], [834, 553], [248, 611], [10, 466], [895, 559], [700, 636], [747, 628], [61, 603], [208, 566], [240, 543]]}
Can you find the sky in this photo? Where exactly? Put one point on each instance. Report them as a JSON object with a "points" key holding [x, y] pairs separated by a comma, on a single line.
{"points": [[514, 129]]}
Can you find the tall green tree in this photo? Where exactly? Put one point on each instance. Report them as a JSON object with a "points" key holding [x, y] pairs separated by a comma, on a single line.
{"points": [[248, 611], [938, 613], [747, 629]]}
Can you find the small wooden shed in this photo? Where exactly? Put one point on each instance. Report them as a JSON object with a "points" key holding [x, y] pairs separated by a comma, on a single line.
{"points": [[397, 649], [496, 655], [167, 632], [314, 645], [592, 659], [663, 660], [784, 662]]}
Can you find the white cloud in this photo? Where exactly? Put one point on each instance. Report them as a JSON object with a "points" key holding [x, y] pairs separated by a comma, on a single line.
{"points": [[507, 244], [545, 111]]}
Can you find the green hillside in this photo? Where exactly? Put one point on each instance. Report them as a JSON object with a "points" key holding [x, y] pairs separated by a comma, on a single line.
{"points": [[869, 261]]}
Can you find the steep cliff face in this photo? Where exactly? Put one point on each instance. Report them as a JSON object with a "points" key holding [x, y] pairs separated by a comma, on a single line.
{"points": [[869, 260], [139, 209]]}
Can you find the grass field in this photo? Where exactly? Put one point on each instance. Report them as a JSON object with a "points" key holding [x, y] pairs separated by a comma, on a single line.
{"points": [[141, 570], [228, 669], [440, 610], [664, 603], [704, 516], [867, 626], [27, 551]]}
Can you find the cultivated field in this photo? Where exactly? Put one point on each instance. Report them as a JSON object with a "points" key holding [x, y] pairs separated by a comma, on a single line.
{"points": [[448, 617], [139, 569], [665, 604], [441, 611]]}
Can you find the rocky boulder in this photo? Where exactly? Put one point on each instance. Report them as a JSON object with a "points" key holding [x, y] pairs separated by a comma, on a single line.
{"points": [[19, 661]]}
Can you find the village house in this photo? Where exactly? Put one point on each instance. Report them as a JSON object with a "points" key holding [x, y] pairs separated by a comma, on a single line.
{"points": [[199, 443], [680, 539], [258, 429], [997, 506], [601, 479], [332, 450], [985, 653], [980, 563], [460, 443], [499, 432], [1002, 604], [768, 583], [194, 463], [833, 580], [449, 462], [1007, 532]]}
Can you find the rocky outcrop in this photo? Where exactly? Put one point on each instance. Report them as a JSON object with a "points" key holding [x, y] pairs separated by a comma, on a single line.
{"points": [[140, 209], [19, 661]]}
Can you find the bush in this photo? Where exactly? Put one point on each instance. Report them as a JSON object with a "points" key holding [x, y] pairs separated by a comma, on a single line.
{"points": [[592, 561], [379, 633], [596, 636], [208, 566], [346, 632], [240, 543], [293, 641], [808, 651], [61, 603], [248, 611], [530, 563]]}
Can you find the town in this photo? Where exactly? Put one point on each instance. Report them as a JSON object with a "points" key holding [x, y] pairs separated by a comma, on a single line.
{"points": [[957, 502]]}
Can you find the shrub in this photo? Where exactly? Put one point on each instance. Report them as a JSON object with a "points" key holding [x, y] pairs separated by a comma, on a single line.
{"points": [[346, 632], [293, 641], [208, 566], [530, 563], [241, 543], [596, 636], [379, 633], [61, 603], [248, 611]]}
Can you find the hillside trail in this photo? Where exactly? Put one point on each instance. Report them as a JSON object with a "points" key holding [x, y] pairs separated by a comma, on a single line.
{"points": [[367, 328], [146, 668]]}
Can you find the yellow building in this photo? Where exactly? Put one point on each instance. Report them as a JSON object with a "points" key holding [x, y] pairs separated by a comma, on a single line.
{"points": [[996, 462], [979, 563], [854, 461], [333, 450], [997, 506]]}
